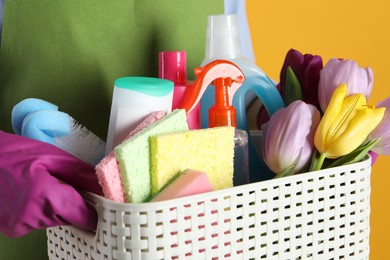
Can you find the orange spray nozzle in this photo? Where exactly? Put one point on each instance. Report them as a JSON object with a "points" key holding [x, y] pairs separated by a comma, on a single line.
{"points": [[222, 113], [226, 77]]}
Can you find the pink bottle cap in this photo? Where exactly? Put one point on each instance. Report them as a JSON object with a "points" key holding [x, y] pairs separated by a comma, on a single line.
{"points": [[172, 65]]}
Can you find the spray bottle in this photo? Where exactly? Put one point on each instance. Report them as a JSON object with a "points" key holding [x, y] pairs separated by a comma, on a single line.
{"points": [[222, 42], [226, 78]]}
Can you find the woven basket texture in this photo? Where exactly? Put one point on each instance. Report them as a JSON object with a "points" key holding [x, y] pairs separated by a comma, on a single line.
{"points": [[317, 215]]}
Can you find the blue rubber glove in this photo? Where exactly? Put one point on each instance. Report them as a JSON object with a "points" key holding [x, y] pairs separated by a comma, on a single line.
{"points": [[39, 186]]}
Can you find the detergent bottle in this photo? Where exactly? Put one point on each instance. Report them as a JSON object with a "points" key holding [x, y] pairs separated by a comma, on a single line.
{"points": [[226, 78], [222, 42], [133, 99]]}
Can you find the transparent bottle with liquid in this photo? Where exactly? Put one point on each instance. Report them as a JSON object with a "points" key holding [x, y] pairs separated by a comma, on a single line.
{"points": [[241, 158], [224, 114], [222, 42]]}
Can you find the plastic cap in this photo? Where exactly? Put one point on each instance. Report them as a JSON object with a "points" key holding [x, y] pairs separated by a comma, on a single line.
{"points": [[222, 37], [150, 86], [172, 65]]}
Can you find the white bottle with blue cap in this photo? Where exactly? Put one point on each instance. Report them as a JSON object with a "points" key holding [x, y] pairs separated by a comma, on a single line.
{"points": [[133, 99]]}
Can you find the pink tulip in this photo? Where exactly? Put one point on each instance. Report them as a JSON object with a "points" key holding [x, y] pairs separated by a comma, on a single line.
{"points": [[288, 138], [382, 131], [337, 72]]}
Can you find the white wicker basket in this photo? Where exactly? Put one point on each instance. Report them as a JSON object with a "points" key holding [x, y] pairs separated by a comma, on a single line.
{"points": [[316, 215]]}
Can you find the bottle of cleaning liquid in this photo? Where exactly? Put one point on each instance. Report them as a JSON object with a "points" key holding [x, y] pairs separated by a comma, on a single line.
{"points": [[133, 99], [226, 78], [173, 66], [222, 42]]}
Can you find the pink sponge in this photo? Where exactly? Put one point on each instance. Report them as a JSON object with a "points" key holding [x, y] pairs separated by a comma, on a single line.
{"points": [[188, 183], [107, 170]]}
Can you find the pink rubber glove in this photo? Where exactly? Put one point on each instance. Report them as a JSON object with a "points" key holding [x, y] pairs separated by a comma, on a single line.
{"points": [[38, 183]]}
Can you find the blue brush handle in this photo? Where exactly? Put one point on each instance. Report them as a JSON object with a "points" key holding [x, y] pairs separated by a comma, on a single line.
{"points": [[25, 107], [46, 125]]}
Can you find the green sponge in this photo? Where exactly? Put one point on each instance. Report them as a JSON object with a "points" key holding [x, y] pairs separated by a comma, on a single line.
{"points": [[208, 150], [133, 156]]}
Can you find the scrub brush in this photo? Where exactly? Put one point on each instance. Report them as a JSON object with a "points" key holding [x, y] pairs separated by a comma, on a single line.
{"points": [[41, 120]]}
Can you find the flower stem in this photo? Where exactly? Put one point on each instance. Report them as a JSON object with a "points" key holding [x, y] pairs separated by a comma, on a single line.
{"points": [[318, 164], [286, 172]]}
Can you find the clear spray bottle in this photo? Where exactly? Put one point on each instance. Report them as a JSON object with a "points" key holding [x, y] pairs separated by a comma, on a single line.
{"points": [[226, 78]]}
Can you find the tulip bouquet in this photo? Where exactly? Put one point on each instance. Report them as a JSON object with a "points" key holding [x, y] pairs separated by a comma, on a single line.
{"points": [[327, 121]]}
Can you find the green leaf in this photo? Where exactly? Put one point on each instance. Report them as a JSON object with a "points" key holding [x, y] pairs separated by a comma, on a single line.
{"points": [[355, 156], [293, 89]]}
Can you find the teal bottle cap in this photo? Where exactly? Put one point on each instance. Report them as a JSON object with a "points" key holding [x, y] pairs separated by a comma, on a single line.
{"points": [[151, 86]]}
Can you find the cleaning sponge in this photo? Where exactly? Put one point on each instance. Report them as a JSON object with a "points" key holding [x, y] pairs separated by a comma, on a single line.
{"points": [[188, 183], [133, 155], [107, 170], [208, 150]]}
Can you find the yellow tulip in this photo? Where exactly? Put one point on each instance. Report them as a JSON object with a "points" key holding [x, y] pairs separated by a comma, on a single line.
{"points": [[346, 124]]}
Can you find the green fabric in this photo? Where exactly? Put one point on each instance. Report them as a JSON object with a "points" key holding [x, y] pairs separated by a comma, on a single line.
{"points": [[32, 246], [69, 52]]}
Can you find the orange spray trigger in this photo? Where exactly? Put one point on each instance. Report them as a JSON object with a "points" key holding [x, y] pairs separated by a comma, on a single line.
{"points": [[226, 78], [197, 71], [239, 79]]}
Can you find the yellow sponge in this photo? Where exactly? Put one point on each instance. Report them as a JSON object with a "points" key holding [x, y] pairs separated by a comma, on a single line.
{"points": [[208, 150], [133, 155]]}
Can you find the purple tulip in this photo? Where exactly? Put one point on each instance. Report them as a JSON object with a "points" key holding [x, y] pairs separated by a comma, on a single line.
{"points": [[288, 138], [307, 69], [382, 131], [337, 72], [374, 156]]}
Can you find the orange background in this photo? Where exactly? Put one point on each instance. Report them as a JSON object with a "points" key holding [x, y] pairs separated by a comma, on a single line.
{"points": [[357, 30]]}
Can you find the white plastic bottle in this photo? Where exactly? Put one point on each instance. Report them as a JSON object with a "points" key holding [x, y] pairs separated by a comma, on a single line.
{"points": [[133, 99]]}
